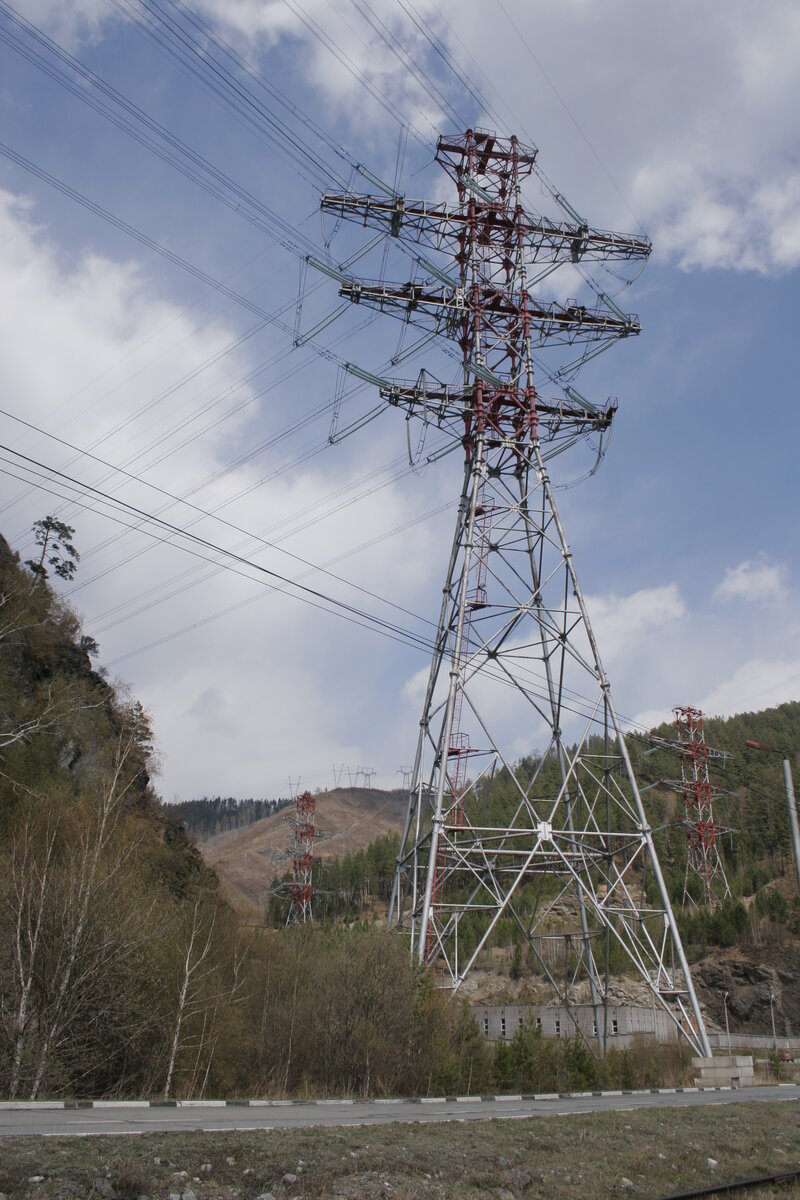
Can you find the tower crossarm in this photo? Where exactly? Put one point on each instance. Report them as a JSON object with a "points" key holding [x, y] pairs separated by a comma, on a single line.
{"points": [[695, 789], [443, 403], [660, 743], [445, 307], [443, 226]]}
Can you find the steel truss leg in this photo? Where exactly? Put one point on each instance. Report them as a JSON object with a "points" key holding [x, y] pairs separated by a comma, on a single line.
{"points": [[577, 824]]}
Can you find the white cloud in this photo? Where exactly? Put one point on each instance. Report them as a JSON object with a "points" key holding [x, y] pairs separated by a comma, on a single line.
{"points": [[758, 683], [650, 718], [340, 52], [700, 134], [753, 685], [702, 222], [759, 582], [623, 623], [275, 687], [70, 22], [697, 132]]}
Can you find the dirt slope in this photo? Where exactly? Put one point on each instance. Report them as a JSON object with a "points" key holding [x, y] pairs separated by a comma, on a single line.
{"points": [[349, 818]]}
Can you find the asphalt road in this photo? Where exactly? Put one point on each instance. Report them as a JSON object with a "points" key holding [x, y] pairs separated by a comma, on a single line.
{"points": [[121, 1118]]}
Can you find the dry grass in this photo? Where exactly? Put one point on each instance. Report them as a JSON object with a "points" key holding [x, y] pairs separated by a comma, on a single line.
{"points": [[649, 1154]]}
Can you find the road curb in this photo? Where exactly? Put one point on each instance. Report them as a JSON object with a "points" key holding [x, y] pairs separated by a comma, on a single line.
{"points": [[44, 1105]]}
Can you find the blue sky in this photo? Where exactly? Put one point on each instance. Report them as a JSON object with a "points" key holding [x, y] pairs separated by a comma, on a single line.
{"points": [[680, 118]]}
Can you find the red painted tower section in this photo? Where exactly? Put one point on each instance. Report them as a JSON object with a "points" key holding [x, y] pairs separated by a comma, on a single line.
{"points": [[301, 887], [702, 857]]}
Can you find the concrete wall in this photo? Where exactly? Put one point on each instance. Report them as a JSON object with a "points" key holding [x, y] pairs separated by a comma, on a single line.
{"points": [[746, 1041], [625, 1023]]}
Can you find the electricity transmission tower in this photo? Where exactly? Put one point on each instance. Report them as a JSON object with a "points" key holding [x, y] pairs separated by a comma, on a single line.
{"points": [[566, 854], [703, 860], [300, 887]]}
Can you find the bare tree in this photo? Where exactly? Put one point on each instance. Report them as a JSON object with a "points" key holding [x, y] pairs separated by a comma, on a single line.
{"points": [[217, 1012], [209, 978], [89, 869], [196, 964], [30, 872]]}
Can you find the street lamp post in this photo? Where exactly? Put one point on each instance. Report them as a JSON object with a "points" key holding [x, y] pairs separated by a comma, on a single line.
{"points": [[772, 1015], [790, 803], [727, 1026]]}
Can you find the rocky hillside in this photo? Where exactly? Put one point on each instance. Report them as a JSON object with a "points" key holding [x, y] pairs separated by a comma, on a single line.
{"points": [[101, 894]]}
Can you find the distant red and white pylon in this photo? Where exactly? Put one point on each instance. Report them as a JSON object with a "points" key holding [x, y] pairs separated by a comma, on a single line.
{"points": [[702, 857], [300, 910], [300, 887]]}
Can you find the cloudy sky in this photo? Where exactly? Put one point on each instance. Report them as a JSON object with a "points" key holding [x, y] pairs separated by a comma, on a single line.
{"points": [[160, 173]]}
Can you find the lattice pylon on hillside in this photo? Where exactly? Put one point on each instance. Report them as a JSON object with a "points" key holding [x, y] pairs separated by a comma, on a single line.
{"points": [[703, 861], [515, 661], [300, 888]]}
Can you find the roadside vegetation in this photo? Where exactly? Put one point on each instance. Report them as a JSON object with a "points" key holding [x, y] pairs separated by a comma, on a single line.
{"points": [[124, 973]]}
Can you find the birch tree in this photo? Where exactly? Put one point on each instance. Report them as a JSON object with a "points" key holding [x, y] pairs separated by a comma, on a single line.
{"points": [[30, 874], [195, 966], [92, 862]]}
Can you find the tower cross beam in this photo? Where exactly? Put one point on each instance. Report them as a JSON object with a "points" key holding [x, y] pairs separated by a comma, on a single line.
{"points": [[441, 225], [497, 306], [446, 402]]}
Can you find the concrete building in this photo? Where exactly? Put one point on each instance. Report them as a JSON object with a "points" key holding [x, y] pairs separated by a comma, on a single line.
{"points": [[625, 1022]]}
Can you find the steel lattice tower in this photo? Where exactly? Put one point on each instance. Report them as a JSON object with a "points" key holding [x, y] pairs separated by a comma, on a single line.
{"points": [[302, 854], [569, 857], [702, 853]]}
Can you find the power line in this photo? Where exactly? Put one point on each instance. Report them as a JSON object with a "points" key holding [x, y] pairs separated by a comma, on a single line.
{"points": [[568, 111], [237, 300], [194, 539], [238, 564], [201, 512]]}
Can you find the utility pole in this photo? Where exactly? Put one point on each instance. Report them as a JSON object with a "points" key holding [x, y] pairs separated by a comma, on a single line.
{"points": [[790, 802], [727, 1026], [772, 1015]]}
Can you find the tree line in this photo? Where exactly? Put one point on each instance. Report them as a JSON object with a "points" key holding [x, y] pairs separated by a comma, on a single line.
{"points": [[211, 815], [118, 959]]}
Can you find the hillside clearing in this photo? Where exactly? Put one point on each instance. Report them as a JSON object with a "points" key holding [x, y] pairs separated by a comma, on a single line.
{"points": [[349, 819]]}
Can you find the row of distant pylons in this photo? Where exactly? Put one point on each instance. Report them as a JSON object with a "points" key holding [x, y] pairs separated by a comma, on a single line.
{"points": [[358, 777]]}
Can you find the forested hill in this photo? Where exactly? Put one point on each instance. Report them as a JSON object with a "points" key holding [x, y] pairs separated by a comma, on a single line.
{"points": [[211, 815], [749, 797], [100, 889], [750, 809], [752, 799], [122, 973]]}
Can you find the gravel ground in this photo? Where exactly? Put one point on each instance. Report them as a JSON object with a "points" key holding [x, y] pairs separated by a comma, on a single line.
{"points": [[648, 1154]]}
